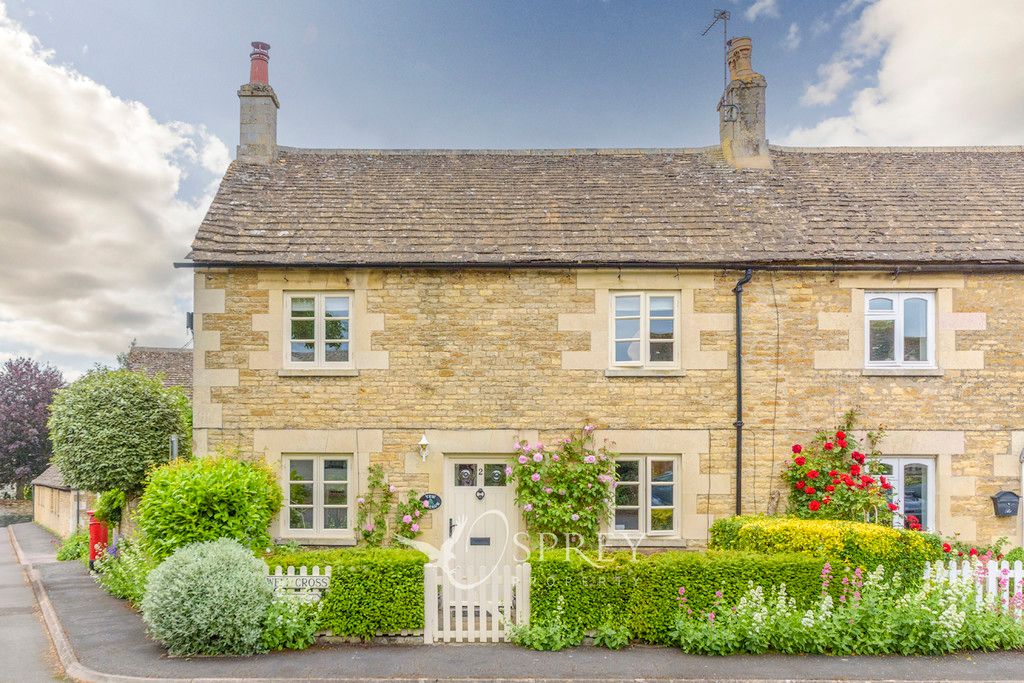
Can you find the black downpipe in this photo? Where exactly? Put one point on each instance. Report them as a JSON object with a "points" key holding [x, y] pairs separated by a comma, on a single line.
{"points": [[738, 291]]}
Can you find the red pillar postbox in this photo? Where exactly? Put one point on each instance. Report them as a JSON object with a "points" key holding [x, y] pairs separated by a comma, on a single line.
{"points": [[97, 536]]}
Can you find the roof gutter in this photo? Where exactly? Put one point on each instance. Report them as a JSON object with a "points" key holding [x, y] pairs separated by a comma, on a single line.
{"points": [[897, 268]]}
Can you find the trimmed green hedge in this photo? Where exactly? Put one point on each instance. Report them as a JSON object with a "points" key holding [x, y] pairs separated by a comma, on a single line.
{"points": [[643, 594], [373, 590], [854, 544]]}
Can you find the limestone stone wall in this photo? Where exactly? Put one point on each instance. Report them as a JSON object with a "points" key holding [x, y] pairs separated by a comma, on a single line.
{"points": [[500, 354]]}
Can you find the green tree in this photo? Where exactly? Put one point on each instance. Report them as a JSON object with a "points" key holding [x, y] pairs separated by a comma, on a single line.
{"points": [[111, 427]]}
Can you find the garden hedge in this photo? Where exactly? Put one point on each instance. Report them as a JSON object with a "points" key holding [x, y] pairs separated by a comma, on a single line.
{"points": [[373, 590], [853, 544], [643, 594]]}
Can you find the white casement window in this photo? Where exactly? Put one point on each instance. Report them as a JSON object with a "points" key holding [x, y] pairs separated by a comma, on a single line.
{"points": [[899, 329], [913, 488], [318, 495], [644, 330], [646, 496], [318, 330]]}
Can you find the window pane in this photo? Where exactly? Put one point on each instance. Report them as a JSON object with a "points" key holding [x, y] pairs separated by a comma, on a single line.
{"points": [[300, 518], [915, 492], [661, 495], [336, 470], [300, 494], [627, 328], [915, 329], [627, 305], [661, 352], [627, 495], [882, 339], [335, 494], [662, 307], [628, 470], [662, 329], [300, 470], [336, 352], [336, 329], [627, 520], [661, 520], [465, 474], [627, 351], [302, 329], [335, 518], [302, 352], [303, 307], [494, 475], [336, 307], [880, 304], [661, 470]]}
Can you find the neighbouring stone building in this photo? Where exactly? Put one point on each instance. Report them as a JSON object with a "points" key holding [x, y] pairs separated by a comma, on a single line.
{"points": [[423, 309]]}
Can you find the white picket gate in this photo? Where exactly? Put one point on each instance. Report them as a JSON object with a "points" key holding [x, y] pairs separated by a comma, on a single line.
{"points": [[302, 585], [997, 579], [478, 606]]}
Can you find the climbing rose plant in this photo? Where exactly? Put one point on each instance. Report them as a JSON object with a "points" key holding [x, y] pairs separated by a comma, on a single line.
{"points": [[565, 489], [835, 477]]}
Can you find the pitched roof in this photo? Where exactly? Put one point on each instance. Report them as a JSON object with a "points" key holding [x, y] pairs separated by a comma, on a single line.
{"points": [[174, 364], [597, 207], [51, 478]]}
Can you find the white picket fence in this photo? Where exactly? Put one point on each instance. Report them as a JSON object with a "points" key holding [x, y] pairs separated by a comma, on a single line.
{"points": [[998, 579], [476, 606], [302, 584]]}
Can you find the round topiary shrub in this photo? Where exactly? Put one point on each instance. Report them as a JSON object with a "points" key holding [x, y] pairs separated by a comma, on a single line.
{"points": [[111, 427], [206, 499], [208, 599]]}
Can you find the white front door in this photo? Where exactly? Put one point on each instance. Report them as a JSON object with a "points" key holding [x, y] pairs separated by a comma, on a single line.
{"points": [[481, 519]]}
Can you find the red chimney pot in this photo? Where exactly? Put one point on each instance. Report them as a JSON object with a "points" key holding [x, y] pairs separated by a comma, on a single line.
{"points": [[259, 63]]}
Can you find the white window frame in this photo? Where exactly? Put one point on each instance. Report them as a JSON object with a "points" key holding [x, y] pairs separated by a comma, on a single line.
{"points": [[644, 506], [896, 479], [645, 330], [898, 299], [318, 505], [319, 330]]}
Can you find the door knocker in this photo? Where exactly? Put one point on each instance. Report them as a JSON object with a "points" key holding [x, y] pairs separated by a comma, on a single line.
{"points": [[480, 494]]}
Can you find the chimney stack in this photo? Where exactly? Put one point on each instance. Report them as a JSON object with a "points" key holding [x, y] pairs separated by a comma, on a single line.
{"points": [[741, 110], [257, 141]]}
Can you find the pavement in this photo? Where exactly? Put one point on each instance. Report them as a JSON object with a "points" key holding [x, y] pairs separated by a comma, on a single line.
{"points": [[25, 650], [107, 640]]}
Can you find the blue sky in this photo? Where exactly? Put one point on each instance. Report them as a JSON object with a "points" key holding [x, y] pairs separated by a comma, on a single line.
{"points": [[581, 73], [119, 118]]}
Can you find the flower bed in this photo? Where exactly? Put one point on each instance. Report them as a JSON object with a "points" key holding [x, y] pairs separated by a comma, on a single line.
{"points": [[641, 595]]}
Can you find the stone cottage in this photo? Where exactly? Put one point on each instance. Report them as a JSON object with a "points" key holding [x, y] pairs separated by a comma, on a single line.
{"points": [[424, 309]]}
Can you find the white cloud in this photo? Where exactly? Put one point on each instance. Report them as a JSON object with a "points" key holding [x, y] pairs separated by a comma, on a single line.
{"points": [[762, 8], [90, 215], [833, 77], [948, 74], [792, 39]]}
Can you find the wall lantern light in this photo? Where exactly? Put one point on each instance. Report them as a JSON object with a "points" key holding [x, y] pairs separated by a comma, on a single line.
{"points": [[424, 448]]}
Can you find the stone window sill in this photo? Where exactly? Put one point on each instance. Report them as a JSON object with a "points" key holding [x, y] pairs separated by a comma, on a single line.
{"points": [[318, 372], [644, 372], [648, 542], [338, 541], [903, 372]]}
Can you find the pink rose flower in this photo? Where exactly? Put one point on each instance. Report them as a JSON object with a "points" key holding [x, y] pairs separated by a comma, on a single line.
{"points": [[547, 489], [424, 503], [555, 457], [417, 513], [392, 488], [590, 460], [535, 476], [415, 527], [523, 460], [360, 500], [528, 507], [508, 470], [575, 517], [407, 518], [538, 457]]}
